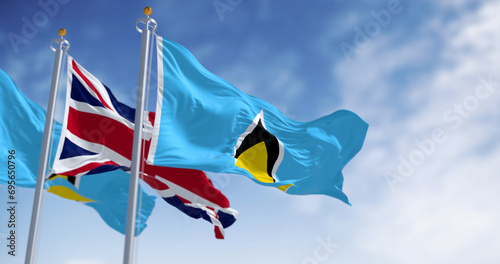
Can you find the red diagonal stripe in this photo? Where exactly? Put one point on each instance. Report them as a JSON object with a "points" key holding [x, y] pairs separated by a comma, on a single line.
{"points": [[193, 180], [218, 233], [77, 70], [154, 183]]}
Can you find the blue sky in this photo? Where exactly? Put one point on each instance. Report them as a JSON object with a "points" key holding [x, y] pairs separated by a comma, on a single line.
{"points": [[423, 187]]}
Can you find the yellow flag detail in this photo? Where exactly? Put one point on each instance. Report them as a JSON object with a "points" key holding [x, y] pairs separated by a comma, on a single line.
{"points": [[67, 193], [254, 160], [58, 176], [285, 187]]}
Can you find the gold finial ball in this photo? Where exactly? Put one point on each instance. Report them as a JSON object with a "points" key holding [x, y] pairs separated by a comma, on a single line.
{"points": [[62, 32], [148, 10]]}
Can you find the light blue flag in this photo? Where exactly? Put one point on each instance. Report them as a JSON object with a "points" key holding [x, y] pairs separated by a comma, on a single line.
{"points": [[21, 129], [107, 193], [205, 123]]}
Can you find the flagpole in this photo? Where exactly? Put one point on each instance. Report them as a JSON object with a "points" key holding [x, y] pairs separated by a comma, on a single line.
{"points": [[136, 149], [63, 46]]}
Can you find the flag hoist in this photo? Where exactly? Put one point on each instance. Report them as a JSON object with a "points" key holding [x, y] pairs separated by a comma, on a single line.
{"points": [[62, 48], [150, 26]]}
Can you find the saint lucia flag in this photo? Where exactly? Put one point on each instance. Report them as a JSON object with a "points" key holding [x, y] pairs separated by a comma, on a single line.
{"points": [[21, 130], [205, 123]]}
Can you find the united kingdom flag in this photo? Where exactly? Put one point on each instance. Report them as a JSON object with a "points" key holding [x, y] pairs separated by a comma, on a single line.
{"points": [[97, 137]]}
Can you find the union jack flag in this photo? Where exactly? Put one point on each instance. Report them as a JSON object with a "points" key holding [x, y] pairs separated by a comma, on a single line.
{"points": [[97, 137]]}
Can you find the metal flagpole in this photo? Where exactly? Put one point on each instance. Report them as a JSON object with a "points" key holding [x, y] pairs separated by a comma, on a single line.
{"points": [[136, 149], [63, 46]]}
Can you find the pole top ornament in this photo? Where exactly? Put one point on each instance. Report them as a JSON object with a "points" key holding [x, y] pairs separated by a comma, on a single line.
{"points": [[148, 11], [62, 32]]}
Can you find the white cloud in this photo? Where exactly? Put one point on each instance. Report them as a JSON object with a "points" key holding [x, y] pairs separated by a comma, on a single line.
{"points": [[310, 205], [32, 75], [445, 212]]}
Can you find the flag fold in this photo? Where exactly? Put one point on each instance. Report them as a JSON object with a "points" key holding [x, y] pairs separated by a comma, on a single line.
{"points": [[21, 129]]}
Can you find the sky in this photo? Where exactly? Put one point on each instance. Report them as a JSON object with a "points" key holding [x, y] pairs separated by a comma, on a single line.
{"points": [[423, 74]]}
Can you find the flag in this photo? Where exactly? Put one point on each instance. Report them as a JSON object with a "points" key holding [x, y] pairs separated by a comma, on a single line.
{"points": [[205, 123], [21, 129], [97, 136], [193, 193], [97, 129]]}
